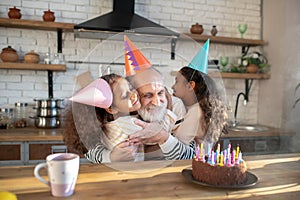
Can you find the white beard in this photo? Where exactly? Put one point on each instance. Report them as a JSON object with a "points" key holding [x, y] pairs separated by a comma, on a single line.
{"points": [[156, 114]]}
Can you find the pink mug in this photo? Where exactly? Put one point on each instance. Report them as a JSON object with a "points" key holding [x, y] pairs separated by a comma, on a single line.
{"points": [[62, 171]]}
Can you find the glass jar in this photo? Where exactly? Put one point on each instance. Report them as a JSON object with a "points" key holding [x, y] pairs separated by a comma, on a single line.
{"points": [[55, 59], [21, 115], [6, 118], [47, 59]]}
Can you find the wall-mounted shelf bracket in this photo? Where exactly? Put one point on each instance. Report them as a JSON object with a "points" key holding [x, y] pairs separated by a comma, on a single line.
{"points": [[173, 45], [59, 40], [50, 73], [245, 50], [50, 84]]}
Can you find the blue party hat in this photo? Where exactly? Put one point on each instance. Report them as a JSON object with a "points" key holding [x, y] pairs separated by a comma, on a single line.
{"points": [[200, 61]]}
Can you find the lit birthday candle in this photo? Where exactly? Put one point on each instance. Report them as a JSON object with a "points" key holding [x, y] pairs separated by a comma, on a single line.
{"points": [[201, 150], [218, 148], [228, 152], [240, 158], [212, 157], [215, 160], [233, 157], [229, 159], [221, 160], [225, 157], [237, 152], [197, 152], [218, 154], [217, 157]]}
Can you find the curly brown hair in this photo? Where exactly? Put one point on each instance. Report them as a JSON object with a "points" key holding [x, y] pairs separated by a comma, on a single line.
{"points": [[82, 124], [208, 97]]}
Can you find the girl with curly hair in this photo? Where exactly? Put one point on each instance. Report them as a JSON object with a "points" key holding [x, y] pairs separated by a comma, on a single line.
{"points": [[206, 117]]}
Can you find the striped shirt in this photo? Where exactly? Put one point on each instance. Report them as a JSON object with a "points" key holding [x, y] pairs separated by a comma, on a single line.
{"points": [[172, 149]]}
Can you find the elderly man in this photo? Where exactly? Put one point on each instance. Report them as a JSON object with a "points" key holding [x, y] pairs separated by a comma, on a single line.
{"points": [[150, 86]]}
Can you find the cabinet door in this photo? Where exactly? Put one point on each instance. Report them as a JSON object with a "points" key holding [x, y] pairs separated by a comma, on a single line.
{"points": [[11, 153], [40, 150], [258, 145]]}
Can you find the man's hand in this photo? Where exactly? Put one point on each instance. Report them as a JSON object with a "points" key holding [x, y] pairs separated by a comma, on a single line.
{"points": [[152, 133], [125, 151]]}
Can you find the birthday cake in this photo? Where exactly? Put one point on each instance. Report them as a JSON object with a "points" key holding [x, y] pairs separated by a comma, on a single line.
{"points": [[220, 168]]}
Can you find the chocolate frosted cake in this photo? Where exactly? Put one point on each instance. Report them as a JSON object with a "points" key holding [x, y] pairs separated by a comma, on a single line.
{"points": [[219, 168], [219, 175]]}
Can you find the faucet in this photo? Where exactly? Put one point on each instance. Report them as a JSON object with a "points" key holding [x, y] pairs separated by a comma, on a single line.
{"points": [[237, 104], [246, 98]]}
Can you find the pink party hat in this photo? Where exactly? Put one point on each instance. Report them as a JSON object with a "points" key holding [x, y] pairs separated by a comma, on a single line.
{"points": [[200, 61], [98, 94], [135, 61]]}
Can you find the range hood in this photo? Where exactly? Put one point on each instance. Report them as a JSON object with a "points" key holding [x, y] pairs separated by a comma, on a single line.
{"points": [[123, 20]]}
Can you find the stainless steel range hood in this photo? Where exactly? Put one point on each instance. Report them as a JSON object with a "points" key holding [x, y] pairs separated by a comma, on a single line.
{"points": [[124, 20]]}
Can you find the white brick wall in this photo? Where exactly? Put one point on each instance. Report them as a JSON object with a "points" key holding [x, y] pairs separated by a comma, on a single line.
{"points": [[25, 85]]}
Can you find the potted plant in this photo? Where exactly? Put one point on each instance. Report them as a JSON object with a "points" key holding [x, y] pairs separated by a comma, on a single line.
{"points": [[255, 63], [251, 63]]}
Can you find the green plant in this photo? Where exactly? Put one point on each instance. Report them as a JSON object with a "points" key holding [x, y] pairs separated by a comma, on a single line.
{"points": [[259, 60], [252, 58], [297, 100]]}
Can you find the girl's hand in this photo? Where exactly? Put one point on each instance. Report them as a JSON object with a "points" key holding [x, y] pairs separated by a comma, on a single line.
{"points": [[125, 151], [152, 133]]}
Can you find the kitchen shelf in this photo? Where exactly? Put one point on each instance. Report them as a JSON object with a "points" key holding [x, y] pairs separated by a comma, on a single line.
{"points": [[59, 27], [241, 75], [234, 75], [36, 25], [226, 40], [32, 66]]}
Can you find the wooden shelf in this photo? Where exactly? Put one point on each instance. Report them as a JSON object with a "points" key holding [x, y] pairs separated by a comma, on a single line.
{"points": [[36, 25], [242, 75], [32, 66], [225, 40], [234, 75]]}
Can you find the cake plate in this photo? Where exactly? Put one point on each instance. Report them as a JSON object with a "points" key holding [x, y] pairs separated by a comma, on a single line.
{"points": [[251, 181]]}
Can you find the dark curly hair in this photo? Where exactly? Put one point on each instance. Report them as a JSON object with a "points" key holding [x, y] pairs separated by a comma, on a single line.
{"points": [[208, 97], [90, 122]]}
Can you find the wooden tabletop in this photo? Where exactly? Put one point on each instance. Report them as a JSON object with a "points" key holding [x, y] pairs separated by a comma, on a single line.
{"points": [[279, 178]]}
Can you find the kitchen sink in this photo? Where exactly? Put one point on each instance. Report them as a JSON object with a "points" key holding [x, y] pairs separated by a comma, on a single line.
{"points": [[249, 128]]}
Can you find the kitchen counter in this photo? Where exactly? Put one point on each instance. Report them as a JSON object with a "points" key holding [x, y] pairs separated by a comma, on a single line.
{"points": [[278, 178], [37, 134], [30, 134], [271, 132]]}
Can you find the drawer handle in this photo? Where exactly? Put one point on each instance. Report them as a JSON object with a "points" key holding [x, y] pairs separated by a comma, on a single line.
{"points": [[59, 149]]}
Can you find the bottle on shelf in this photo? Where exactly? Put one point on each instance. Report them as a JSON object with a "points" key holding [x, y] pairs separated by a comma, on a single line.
{"points": [[47, 59], [6, 118], [21, 115], [214, 30]]}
